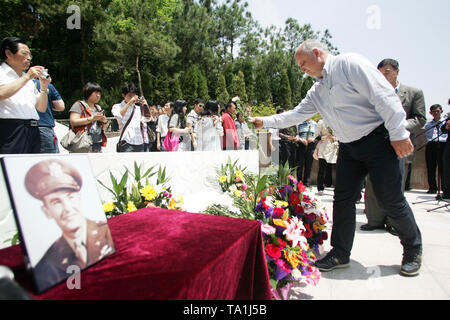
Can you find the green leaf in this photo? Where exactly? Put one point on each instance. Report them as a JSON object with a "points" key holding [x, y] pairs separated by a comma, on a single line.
{"points": [[273, 284], [261, 185], [109, 189]]}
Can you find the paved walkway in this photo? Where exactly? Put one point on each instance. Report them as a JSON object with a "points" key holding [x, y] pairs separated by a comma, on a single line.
{"points": [[376, 256]]}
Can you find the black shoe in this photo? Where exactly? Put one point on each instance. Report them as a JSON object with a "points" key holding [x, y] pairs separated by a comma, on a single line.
{"points": [[369, 227], [391, 230], [431, 191], [411, 263], [330, 262]]}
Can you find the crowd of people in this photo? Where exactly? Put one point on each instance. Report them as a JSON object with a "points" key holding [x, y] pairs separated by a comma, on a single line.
{"points": [[28, 100]]}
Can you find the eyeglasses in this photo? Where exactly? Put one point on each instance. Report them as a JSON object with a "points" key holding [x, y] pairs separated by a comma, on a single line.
{"points": [[26, 53]]}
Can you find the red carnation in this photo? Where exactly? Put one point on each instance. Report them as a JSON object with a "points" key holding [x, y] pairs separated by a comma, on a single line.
{"points": [[282, 243], [299, 209], [308, 232], [273, 251], [294, 198], [277, 213], [301, 187]]}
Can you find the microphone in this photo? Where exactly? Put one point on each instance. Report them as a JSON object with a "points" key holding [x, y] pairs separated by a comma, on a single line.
{"points": [[9, 289]]}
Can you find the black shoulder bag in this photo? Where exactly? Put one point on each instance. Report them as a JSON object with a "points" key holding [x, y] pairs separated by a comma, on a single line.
{"points": [[121, 143]]}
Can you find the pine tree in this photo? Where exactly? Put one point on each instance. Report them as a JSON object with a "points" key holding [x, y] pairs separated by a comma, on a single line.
{"points": [[175, 89], [285, 94], [263, 93], [222, 93], [189, 84], [238, 87], [202, 87]]}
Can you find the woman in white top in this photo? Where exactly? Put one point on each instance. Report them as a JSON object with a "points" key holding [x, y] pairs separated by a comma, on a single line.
{"points": [[163, 125], [177, 125], [326, 153], [209, 128]]}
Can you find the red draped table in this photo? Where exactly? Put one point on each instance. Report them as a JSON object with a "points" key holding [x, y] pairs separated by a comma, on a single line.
{"points": [[162, 254]]}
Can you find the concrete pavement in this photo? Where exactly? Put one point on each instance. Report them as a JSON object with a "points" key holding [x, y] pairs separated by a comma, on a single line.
{"points": [[376, 257]]}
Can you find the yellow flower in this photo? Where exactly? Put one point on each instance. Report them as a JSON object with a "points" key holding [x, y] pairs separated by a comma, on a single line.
{"points": [[239, 174], [222, 179], [279, 222], [176, 203], [279, 203], [237, 193], [293, 260], [108, 207], [317, 226], [149, 193], [131, 207]]}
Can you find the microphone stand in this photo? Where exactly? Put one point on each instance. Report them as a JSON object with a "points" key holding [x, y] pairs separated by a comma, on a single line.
{"points": [[438, 197]]}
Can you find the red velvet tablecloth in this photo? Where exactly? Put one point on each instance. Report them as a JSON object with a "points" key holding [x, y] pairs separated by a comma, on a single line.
{"points": [[162, 254]]}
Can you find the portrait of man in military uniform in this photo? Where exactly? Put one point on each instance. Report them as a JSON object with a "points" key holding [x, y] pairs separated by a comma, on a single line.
{"points": [[57, 185]]}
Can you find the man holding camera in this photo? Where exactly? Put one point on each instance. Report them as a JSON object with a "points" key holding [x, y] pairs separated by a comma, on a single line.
{"points": [[19, 98], [129, 112]]}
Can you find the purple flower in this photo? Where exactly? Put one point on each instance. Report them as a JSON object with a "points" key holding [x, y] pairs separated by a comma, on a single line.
{"points": [[286, 190], [281, 269], [292, 180], [268, 213]]}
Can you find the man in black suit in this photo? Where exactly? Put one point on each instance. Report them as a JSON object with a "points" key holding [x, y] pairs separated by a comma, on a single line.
{"points": [[414, 104], [446, 159], [83, 242]]}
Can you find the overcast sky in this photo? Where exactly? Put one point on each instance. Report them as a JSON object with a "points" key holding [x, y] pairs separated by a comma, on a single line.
{"points": [[414, 32]]}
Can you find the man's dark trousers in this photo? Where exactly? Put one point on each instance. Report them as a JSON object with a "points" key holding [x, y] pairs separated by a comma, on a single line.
{"points": [[372, 154]]}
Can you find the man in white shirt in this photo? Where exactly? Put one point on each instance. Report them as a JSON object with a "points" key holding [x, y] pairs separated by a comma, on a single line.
{"points": [[192, 119], [243, 132], [19, 98], [130, 107], [368, 119]]}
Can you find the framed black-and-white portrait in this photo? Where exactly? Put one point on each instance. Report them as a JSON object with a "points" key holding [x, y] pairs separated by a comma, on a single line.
{"points": [[58, 212]]}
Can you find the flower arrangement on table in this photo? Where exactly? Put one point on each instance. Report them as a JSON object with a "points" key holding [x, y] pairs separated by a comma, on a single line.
{"points": [[131, 198], [292, 222], [293, 228]]}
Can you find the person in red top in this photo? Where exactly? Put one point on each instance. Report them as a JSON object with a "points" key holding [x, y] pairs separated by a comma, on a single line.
{"points": [[230, 137]]}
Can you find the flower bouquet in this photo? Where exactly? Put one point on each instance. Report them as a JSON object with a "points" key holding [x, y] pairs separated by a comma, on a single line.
{"points": [[292, 223], [138, 195], [293, 228]]}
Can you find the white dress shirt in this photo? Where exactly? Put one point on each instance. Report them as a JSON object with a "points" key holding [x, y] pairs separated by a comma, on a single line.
{"points": [[353, 97], [22, 105], [133, 132]]}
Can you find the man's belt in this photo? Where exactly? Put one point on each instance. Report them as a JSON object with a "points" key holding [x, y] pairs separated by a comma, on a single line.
{"points": [[31, 123]]}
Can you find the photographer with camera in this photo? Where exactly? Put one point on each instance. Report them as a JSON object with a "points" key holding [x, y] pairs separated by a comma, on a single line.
{"points": [[19, 98], [131, 120]]}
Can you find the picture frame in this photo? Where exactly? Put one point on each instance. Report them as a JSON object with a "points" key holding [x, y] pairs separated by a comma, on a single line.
{"points": [[59, 215]]}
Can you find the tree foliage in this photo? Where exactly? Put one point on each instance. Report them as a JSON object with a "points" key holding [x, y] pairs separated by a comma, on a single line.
{"points": [[172, 49]]}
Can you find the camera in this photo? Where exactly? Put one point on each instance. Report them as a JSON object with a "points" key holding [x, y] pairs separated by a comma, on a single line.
{"points": [[45, 74]]}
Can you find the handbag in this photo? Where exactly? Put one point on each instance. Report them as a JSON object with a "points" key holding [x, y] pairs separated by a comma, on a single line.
{"points": [[121, 142], [171, 141], [80, 142]]}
